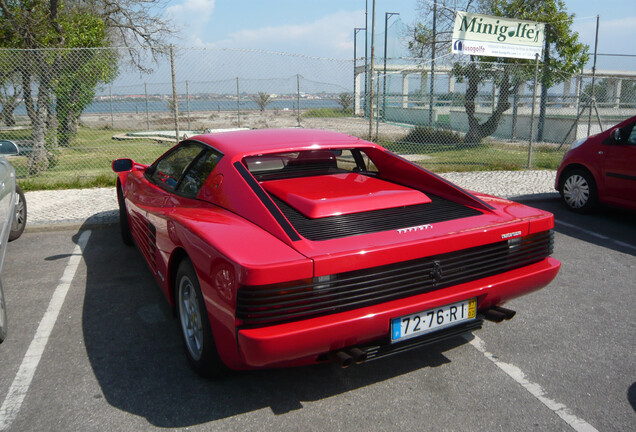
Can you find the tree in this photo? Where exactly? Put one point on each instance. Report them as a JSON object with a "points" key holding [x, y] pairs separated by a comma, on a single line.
{"points": [[33, 26], [420, 39], [563, 53], [83, 70], [262, 100], [10, 92], [345, 100]]}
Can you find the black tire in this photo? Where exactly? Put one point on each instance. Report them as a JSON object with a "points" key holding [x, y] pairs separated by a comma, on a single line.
{"points": [[20, 219], [3, 316], [124, 227], [193, 320], [578, 190]]}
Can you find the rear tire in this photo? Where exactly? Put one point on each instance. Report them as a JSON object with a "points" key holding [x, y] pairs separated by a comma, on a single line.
{"points": [[124, 227], [578, 190], [19, 223], [195, 328]]}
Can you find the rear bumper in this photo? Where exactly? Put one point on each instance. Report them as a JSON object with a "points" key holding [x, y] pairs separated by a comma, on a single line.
{"points": [[304, 341]]}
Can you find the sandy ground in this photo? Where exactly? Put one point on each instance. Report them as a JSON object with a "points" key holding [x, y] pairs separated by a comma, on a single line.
{"points": [[248, 119]]}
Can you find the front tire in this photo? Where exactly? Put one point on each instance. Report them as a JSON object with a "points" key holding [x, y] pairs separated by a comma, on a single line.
{"points": [[20, 218], [195, 328], [578, 190]]}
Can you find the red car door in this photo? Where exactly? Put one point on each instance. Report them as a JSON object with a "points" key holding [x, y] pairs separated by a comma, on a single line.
{"points": [[148, 201], [619, 169]]}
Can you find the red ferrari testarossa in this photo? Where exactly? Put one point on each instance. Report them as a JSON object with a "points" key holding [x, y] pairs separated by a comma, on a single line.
{"points": [[291, 247]]}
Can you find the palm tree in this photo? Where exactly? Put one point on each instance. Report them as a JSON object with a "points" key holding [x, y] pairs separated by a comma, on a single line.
{"points": [[262, 100], [345, 100]]}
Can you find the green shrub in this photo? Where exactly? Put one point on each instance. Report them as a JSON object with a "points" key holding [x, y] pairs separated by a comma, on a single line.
{"points": [[426, 135]]}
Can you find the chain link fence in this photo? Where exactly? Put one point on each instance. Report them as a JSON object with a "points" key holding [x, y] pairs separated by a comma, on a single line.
{"points": [[72, 112]]}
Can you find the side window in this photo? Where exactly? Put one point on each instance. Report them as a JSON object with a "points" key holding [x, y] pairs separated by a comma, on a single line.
{"points": [[170, 168], [197, 174], [631, 138], [355, 160]]}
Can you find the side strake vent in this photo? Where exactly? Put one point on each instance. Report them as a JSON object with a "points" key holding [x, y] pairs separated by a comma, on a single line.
{"points": [[438, 210], [145, 233], [266, 305]]}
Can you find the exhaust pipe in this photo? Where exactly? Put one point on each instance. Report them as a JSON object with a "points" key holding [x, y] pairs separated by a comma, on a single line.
{"points": [[341, 358], [498, 314], [508, 313], [358, 355], [494, 316]]}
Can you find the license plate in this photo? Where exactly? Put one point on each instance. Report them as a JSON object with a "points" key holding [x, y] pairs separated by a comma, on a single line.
{"points": [[431, 320]]}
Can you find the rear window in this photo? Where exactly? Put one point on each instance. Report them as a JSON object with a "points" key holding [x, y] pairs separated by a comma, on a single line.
{"points": [[309, 163]]}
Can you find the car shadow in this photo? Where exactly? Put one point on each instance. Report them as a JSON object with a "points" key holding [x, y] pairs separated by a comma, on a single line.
{"points": [[135, 350], [608, 227]]}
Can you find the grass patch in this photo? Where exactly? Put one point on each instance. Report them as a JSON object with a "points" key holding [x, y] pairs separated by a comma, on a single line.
{"points": [[87, 161], [78, 182], [444, 151]]}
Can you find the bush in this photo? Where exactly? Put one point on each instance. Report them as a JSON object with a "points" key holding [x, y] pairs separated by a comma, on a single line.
{"points": [[426, 135]]}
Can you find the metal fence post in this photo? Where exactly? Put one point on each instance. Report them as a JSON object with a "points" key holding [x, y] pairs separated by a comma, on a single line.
{"points": [[298, 96], [238, 103], [371, 70], [112, 117], [515, 110], [534, 96], [147, 113], [175, 101], [432, 88], [592, 97], [377, 110], [188, 104], [579, 86]]}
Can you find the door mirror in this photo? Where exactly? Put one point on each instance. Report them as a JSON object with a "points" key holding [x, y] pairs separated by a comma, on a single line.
{"points": [[618, 137], [8, 148], [121, 165]]}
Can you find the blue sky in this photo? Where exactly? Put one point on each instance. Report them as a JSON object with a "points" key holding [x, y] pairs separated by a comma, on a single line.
{"points": [[324, 28]]}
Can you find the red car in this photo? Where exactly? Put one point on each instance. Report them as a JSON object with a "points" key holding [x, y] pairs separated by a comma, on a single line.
{"points": [[600, 168], [292, 247]]}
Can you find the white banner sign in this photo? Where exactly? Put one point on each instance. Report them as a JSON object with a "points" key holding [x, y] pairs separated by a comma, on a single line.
{"points": [[485, 35]]}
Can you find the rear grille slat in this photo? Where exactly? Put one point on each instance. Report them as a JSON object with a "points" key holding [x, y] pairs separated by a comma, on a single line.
{"points": [[267, 305], [438, 210]]}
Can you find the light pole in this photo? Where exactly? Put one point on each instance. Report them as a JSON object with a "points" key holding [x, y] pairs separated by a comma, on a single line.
{"points": [[355, 64], [366, 53], [387, 15], [432, 88], [371, 70]]}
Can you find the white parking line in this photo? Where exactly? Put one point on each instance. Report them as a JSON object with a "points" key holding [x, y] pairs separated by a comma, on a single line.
{"points": [[593, 234], [535, 390], [20, 386]]}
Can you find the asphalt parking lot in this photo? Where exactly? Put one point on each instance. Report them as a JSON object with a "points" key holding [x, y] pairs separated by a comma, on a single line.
{"points": [[92, 345]]}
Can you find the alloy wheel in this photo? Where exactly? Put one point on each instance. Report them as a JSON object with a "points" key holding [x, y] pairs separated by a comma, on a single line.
{"points": [[190, 316]]}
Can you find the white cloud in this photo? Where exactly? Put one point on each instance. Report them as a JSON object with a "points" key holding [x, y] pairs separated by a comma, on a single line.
{"points": [[328, 36], [197, 11]]}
